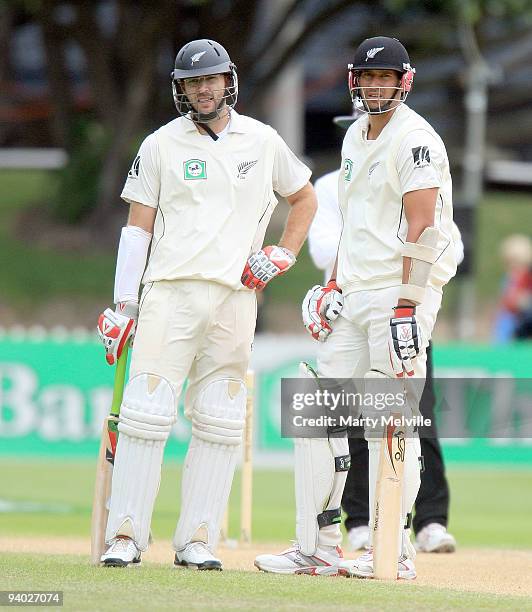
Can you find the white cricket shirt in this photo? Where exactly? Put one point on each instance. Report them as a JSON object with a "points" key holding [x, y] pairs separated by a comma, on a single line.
{"points": [[408, 155], [326, 229], [214, 199]]}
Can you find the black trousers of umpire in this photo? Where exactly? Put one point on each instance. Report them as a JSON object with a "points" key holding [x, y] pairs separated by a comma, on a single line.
{"points": [[432, 503]]}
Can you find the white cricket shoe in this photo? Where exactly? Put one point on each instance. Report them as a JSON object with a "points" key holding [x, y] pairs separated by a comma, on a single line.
{"points": [[122, 552], [362, 567], [358, 537], [197, 555], [324, 562], [434, 538]]}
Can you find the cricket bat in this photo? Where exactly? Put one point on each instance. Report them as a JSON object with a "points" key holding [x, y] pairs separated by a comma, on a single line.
{"points": [[104, 468], [388, 500]]}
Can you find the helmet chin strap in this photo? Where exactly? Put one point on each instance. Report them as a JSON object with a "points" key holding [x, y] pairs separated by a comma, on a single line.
{"points": [[210, 132], [210, 117]]}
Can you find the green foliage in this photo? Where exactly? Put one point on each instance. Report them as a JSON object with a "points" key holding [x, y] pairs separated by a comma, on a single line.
{"points": [[472, 11], [36, 274], [398, 7], [77, 191], [20, 189]]}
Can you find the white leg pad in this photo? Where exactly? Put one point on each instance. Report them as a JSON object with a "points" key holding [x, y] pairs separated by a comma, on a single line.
{"points": [[147, 414], [321, 466], [411, 484], [217, 423]]}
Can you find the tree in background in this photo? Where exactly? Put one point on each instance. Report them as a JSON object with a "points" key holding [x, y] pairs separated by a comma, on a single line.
{"points": [[128, 50]]}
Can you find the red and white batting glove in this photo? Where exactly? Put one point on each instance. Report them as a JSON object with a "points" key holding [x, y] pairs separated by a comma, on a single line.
{"points": [[116, 328], [320, 307], [404, 342], [269, 262]]}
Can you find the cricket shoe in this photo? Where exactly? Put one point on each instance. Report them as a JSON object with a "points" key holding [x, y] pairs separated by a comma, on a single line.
{"points": [[434, 538], [362, 567], [358, 537], [324, 562], [122, 552], [197, 556]]}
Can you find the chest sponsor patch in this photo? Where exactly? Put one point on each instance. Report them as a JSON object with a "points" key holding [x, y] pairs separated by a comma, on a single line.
{"points": [[194, 169], [421, 156], [245, 167], [348, 169]]}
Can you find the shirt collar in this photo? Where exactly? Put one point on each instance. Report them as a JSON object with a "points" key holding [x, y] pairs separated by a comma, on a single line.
{"points": [[364, 121], [236, 124]]}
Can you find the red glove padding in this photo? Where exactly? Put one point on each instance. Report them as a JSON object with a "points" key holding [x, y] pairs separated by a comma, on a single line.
{"points": [[116, 328], [266, 264], [320, 307], [404, 342]]}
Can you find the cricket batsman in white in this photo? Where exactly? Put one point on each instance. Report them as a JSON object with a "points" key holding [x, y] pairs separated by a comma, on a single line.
{"points": [[376, 314], [200, 195]]}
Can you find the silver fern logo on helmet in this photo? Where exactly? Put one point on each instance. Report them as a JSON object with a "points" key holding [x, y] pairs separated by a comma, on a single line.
{"points": [[196, 57], [373, 52]]}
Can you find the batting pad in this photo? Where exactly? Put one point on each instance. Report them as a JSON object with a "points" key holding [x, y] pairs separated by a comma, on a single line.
{"points": [[147, 414], [321, 466], [217, 423], [411, 484]]}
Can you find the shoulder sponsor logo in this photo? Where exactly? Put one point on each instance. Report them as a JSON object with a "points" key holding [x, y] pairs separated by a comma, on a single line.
{"points": [[421, 156], [196, 57], [348, 169], [245, 167], [135, 167], [373, 52], [194, 169]]}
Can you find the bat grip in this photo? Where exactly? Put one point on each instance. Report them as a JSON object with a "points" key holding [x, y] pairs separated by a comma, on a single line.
{"points": [[120, 376]]}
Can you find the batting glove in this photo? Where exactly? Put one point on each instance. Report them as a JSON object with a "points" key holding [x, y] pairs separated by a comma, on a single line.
{"points": [[320, 307], [266, 264], [404, 341], [116, 328]]}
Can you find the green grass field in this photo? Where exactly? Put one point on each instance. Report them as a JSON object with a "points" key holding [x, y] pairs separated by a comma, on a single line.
{"points": [[159, 588], [482, 501], [490, 508]]}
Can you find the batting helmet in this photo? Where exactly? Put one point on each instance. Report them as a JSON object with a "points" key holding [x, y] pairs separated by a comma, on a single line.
{"points": [[201, 58], [380, 53]]}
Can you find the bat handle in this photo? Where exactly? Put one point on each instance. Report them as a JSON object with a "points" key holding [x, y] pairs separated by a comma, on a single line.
{"points": [[120, 376]]}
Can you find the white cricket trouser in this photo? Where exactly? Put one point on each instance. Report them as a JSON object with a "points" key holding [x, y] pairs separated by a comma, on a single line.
{"points": [[203, 331], [196, 329]]}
